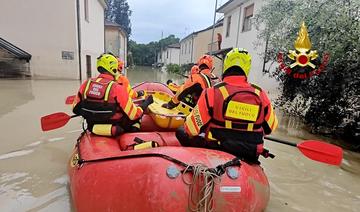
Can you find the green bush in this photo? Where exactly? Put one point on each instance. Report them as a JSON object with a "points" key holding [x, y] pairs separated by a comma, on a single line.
{"points": [[174, 68], [329, 102]]}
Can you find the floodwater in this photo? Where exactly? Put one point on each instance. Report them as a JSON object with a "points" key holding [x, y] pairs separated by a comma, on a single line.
{"points": [[33, 164]]}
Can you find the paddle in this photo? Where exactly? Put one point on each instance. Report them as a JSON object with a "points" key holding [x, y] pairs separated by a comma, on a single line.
{"points": [[69, 100], [55, 120], [316, 150]]}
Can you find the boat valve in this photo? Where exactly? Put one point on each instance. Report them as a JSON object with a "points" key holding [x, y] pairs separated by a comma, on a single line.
{"points": [[172, 172]]}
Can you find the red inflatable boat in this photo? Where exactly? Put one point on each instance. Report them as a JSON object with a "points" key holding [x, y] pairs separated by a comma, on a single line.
{"points": [[150, 171], [107, 174]]}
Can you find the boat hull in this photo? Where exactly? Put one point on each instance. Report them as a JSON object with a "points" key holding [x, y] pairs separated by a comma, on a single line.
{"points": [[138, 180]]}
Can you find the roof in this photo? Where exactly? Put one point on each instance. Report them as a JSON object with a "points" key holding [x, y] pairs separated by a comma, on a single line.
{"points": [[113, 24], [103, 3], [224, 5], [14, 50], [229, 5], [175, 45], [217, 24], [110, 23]]}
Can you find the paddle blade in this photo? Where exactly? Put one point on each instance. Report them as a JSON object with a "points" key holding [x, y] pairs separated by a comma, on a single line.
{"points": [[69, 100], [54, 121], [321, 151]]}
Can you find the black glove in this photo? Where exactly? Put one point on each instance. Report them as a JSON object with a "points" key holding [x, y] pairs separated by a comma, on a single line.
{"points": [[170, 105], [169, 81], [140, 93], [148, 101]]}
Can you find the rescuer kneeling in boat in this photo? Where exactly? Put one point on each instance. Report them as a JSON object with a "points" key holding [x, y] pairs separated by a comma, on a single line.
{"points": [[105, 104], [123, 80], [232, 116], [174, 87], [194, 85]]}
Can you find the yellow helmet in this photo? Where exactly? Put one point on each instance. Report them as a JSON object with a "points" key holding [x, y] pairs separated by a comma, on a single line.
{"points": [[240, 58], [107, 62]]}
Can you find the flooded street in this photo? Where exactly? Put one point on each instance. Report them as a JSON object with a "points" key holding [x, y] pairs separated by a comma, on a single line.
{"points": [[33, 175]]}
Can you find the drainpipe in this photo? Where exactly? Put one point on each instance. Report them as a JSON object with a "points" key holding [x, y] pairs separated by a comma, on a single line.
{"points": [[213, 29], [104, 33], [79, 35], [192, 48], [238, 28]]}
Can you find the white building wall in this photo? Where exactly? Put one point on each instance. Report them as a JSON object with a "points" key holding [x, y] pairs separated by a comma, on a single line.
{"points": [[170, 55], [116, 42], [123, 48], [43, 28], [187, 49], [92, 34], [247, 40], [112, 40]]}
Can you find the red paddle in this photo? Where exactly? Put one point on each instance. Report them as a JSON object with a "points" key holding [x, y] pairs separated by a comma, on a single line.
{"points": [[69, 100], [55, 120], [316, 150]]}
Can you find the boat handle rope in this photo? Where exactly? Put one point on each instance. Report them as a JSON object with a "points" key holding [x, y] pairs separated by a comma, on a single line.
{"points": [[219, 170]]}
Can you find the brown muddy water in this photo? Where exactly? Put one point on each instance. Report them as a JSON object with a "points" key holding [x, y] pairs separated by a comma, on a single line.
{"points": [[33, 163]]}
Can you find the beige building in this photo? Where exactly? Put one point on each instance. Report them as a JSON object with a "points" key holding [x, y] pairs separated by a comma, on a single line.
{"points": [[63, 37], [239, 31], [169, 55], [116, 40], [193, 46]]}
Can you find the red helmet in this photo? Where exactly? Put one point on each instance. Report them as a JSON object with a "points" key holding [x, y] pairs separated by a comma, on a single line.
{"points": [[120, 65], [206, 60], [195, 69]]}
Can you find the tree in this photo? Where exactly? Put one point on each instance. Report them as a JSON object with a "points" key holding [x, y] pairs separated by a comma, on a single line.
{"points": [[145, 54], [330, 101], [119, 12]]}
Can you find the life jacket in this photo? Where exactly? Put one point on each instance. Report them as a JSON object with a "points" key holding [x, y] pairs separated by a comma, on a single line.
{"points": [[236, 109], [192, 98], [98, 104]]}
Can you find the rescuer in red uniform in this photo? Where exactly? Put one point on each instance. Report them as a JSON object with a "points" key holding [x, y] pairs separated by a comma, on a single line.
{"points": [[234, 115], [123, 80], [105, 104], [195, 84]]}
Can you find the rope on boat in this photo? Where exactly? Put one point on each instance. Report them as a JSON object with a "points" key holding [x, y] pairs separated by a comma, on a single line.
{"points": [[201, 187]]}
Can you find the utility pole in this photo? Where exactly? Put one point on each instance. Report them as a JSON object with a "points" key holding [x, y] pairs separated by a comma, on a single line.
{"points": [[213, 30], [161, 56]]}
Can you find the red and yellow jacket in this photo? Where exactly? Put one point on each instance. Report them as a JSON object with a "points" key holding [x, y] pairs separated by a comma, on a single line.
{"points": [[233, 104], [123, 80], [103, 93], [195, 84]]}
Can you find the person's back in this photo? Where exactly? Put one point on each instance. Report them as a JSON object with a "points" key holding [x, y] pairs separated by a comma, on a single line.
{"points": [[195, 83], [105, 104], [234, 115]]}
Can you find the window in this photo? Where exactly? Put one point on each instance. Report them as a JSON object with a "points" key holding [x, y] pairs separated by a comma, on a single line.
{"points": [[248, 17], [228, 24], [167, 54], [86, 10], [185, 48], [189, 47]]}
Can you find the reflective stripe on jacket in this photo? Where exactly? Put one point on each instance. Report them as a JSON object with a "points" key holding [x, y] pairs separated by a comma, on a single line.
{"points": [[102, 92], [123, 80], [235, 105], [194, 85]]}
